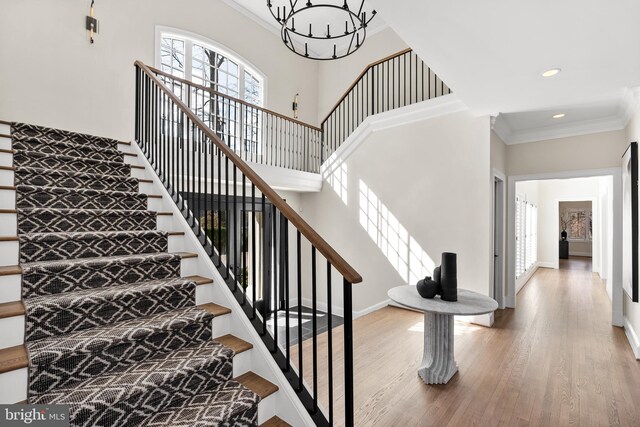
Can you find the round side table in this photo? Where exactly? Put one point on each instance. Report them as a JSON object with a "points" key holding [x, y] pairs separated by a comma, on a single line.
{"points": [[438, 363]]}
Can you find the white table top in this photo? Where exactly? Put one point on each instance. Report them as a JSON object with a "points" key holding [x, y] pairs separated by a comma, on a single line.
{"points": [[469, 303]]}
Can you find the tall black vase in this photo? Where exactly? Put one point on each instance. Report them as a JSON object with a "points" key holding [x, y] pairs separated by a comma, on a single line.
{"points": [[449, 277]]}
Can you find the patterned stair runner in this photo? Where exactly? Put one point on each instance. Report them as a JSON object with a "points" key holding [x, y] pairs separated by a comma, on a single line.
{"points": [[111, 329]]}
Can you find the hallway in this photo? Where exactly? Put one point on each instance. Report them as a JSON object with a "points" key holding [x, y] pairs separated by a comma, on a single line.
{"points": [[554, 361]]}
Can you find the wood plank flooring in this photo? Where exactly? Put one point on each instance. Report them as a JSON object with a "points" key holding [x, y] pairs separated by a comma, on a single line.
{"points": [[554, 361]]}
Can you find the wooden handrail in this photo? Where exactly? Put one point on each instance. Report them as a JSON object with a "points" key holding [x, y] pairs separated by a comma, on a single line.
{"points": [[237, 100], [366, 69], [348, 272]]}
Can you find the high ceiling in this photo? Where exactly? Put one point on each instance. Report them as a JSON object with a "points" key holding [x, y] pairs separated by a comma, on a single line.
{"points": [[492, 54]]}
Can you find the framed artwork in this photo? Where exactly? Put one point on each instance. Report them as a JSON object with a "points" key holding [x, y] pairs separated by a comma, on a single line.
{"points": [[630, 221]]}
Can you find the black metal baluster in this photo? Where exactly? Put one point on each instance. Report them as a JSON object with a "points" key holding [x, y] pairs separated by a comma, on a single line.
{"points": [[219, 200], [265, 243], [254, 285], [314, 325], [227, 216], [235, 229], [276, 273], [299, 293], [285, 263], [348, 353], [330, 343]]}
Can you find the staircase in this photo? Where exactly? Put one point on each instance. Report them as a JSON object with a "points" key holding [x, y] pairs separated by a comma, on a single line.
{"points": [[98, 313]]}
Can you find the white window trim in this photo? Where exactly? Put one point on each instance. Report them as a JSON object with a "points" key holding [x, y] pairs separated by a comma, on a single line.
{"points": [[189, 37]]}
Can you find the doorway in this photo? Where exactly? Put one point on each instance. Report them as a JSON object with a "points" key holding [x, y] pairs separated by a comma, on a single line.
{"points": [[498, 238], [606, 257]]}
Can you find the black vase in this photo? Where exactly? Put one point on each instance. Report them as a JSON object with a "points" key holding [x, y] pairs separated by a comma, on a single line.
{"points": [[564, 234], [449, 277], [427, 287], [436, 278]]}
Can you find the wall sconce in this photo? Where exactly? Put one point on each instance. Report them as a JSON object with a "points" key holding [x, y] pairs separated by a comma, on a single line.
{"points": [[92, 23], [295, 106]]}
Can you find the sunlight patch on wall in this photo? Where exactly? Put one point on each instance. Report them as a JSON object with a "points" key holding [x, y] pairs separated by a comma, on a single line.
{"points": [[338, 181], [402, 251]]}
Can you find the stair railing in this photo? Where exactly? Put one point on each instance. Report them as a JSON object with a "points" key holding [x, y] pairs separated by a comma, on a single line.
{"points": [[257, 242], [396, 81], [256, 134]]}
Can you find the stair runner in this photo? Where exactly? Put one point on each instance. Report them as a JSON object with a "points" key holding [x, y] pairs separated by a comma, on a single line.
{"points": [[111, 328]]}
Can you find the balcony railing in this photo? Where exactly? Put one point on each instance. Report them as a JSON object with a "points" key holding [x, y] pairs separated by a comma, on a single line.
{"points": [[254, 133], [396, 81]]}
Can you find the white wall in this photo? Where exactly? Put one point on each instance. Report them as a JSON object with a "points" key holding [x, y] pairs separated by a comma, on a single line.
{"points": [[334, 77], [594, 151], [52, 76], [631, 310], [427, 180]]}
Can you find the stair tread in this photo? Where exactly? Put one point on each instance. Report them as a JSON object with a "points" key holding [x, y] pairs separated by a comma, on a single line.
{"points": [[220, 406], [90, 191], [119, 384], [42, 132], [116, 163], [275, 422], [90, 235], [13, 358], [10, 270], [73, 173], [11, 309], [16, 308], [9, 238], [88, 340], [260, 386], [69, 145], [234, 343], [183, 255]]}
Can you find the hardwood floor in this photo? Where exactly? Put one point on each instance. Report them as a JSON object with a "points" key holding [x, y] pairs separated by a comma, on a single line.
{"points": [[554, 361], [576, 263]]}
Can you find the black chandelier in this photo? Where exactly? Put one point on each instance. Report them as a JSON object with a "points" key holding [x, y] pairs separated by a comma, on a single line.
{"points": [[321, 30]]}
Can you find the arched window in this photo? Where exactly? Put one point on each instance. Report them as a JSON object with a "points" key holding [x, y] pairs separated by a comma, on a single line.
{"points": [[208, 64], [204, 62]]}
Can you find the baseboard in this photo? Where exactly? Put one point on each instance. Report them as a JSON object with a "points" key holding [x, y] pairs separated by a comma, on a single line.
{"points": [[582, 254], [632, 337], [482, 319], [528, 275], [546, 264], [338, 311]]}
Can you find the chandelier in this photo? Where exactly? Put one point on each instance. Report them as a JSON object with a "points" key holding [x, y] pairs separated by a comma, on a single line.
{"points": [[322, 30]]}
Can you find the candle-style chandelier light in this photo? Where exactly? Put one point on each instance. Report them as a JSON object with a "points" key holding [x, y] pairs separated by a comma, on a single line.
{"points": [[322, 30]]}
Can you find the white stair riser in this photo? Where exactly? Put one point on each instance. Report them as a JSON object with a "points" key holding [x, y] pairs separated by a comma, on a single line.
{"points": [[10, 285], [13, 386], [8, 224], [6, 177], [5, 143], [9, 253], [6, 159], [7, 199]]}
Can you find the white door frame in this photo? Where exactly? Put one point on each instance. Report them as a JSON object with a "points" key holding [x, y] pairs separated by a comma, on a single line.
{"points": [[616, 274], [497, 235]]}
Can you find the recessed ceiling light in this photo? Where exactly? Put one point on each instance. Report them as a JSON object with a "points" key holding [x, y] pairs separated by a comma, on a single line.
{"points": [[558, 116], [551, 72]]}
